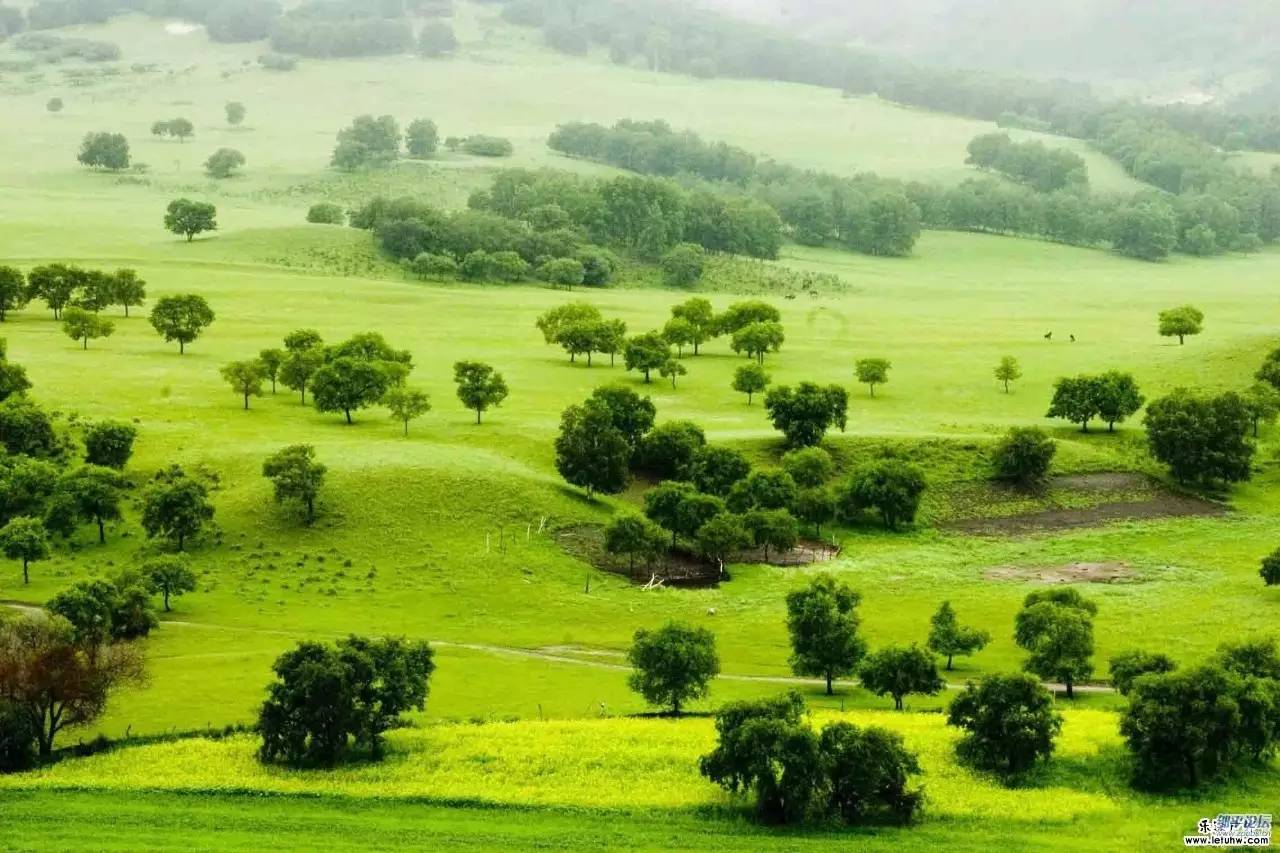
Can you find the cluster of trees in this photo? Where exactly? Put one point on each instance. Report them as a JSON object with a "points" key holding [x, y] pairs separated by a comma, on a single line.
{"points": [[865, 214], [1033, 163], [66, 287], [180, 129], [51, 48], [329, 703], [344, 378], [1112, 396], [370, 141]]}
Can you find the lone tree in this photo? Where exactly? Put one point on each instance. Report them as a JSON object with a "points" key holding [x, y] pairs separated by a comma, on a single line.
{"points": [[181, 318], [750, 379], [1056, 627], [175, 507], [188, 218], [84, 326], [591, 451], [1181, 323], [25, 538], [222, 163], [169, 577], [109, 151], [803, 414], [348, 384], [1009, 723], [296, 476], [823, 622], [13, 291], [1201, 439], [891, 487], [245, 378], [673, 664], [109, 443], [327, 700], [236, 113], [899, 671], [646, 353], [1270, 570], [480, 387], [1127, 666], [1008, 371], [634, 537], [367, 142], [949, 638], [54, 681], [407, 404], [1023, 456], [872, 372], [422, 138]]}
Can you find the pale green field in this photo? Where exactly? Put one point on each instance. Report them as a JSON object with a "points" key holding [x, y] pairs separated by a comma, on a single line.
{"points": [[408, 540]]}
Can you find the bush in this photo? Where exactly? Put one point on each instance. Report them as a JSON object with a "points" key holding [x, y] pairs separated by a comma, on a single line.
{"points": [[1127, 666], [17, 739], [890, 487], [278, 61], [1023, 455], [1009, 721], [429, 266], [327, 213], [487, 146]]}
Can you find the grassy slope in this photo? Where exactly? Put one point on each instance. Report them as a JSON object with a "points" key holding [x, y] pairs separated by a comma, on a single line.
{"points": [[619, 771]]}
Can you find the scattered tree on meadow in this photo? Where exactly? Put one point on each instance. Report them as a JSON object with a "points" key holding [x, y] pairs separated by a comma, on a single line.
{"points": [[56, 284], [949, 638], [54, 105], [25, 538], [563, 272], [271, 361], [296, 476], [179, 128], [1056, 627], [680, 333], [102, 611], [300, 367], [1023, 456], [1009, 723], [26, 429], [1112, 396], [632, 414], [591, 451], [672, 665], [900, 671], [347, 384], [327, 213], [56, 682], [235, 113], [421, 139], [750, 379], [175, 507], [664, 503], [720, 537], [891, 487], [223, 163], [108, 151], [169, 577], [109, 443], [1263, 402], [682, 265], [634, 537], [814, 506], [757, 339], [1181, 322], [130, 291], [95, 493], [407, 404], [672, 369], [1127, 666], [13, 291], [700, 316], [327, 699], [646, 353], [1270, 570], [803, 414], [188, 218], [367, 142], [1202, 439], [82, 325], [1008, 371], [872, 372], [480, 387], [822, 621], [245, 378]]}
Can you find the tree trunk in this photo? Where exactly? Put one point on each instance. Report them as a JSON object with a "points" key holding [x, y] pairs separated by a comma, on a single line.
{"points": [[1006, 386], [948, 663], [182, 540], [311, 510], [273, 385], [897, 703], [1181, 340], [246, 401], [166, 599], [182, 347], [588, 358], [126, 311], [873, 389], [191, 237], [406, 429], [347, 412], [26, 575], [1070, 693], [478, 416], [830, 692], [102, 532], [750, 394], [304, 395], [86, 343]]}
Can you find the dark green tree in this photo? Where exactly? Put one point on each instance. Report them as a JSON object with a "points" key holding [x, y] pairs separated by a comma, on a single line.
{"points": [[188, 218], [245, 378], [949, 638], [900, 671], [295, 475], [646, 353], [25, 538], [672, 665], [175, 507], [634, 537], [181, 318], [1009, 723], [590, 451], [804, 414], [1128, 666], [480, 387], [1181, 323], [1023, 456], [750, 379], [822, 620], [1201, 439], [891, 487], [109, 443], [422, 138], [169, 577], [872, 372]]}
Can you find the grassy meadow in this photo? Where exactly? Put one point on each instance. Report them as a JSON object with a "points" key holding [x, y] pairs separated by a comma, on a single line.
{"points": [[450, 533]]}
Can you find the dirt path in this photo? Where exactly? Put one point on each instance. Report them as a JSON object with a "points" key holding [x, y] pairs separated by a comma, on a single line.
{"points": [[550, 654]]}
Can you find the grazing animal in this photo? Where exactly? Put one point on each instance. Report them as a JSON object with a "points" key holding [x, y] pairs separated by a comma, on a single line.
{"points": [[1073, 339], [1048, 336]]}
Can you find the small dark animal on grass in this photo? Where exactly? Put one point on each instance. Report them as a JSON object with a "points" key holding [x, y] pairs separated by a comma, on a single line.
{"points": [[1048, 336]]}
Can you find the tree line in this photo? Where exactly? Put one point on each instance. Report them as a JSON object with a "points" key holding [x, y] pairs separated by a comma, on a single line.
{"points": [[1033, 163]]}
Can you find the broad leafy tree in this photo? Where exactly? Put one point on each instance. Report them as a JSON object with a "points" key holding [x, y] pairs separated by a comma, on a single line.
{"points": [[632, 414], [1117, 397], [480, 387], [55, 284], [296, 477], [367, 142], [245, 378], [1056, 628], [872, 372], [1201, 439], [1270, 570], [1130, 665], [721, 537], [96, 493], [236, 113], [671, 450], [683, 265], [271, 360], [646, 353], [223, 163], [406, 405], [890, 487], [774, 529], [13, 291], [750, 379], [109, 151], [899, 671], [1181, 323], [348, 384], [129, 290], [803, 414], [300, 367], [188, 218], [1008, 371], [673, 665], [757, 339], [1263, 402], [25, 538], [109, 443], [822, 621], [590, 451], [84, 326], [169, 576], [422, 138], [1009, 723], [636, 538], [718, 469], [181, 318], [175, 507], [947, 637], [809, 467], [1023, 456], [700, 316]]}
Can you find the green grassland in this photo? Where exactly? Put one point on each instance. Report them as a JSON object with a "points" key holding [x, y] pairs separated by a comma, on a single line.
{"points": [[449, 534]]}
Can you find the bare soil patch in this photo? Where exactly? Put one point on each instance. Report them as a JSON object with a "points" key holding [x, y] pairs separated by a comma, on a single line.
{"points": [[1134, 497], [1069, 573], [679, 566]]}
